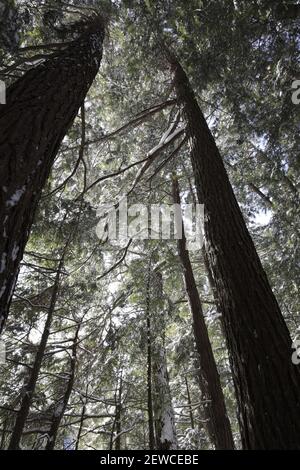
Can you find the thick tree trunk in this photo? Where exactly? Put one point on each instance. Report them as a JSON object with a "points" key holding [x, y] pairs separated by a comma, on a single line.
{"points": [[60, 408], [218, 424], [35, 370], [40, 108], [267, 383]]}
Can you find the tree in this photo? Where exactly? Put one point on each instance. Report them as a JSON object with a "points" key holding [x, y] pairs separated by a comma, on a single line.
{"points": [[40, 108], [149, 358], [28, 393], [129, 138], [257, 336], [165, 432], [217, 420], [61, 406]]}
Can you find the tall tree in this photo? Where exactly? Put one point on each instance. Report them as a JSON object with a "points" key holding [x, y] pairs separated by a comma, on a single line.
{"points": [[149, 358], [29, 390], [266, 380], [40, 108], [217, 420], [165, 431]]}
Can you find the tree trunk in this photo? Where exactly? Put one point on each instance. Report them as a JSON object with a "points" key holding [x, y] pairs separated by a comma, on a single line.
{"points": [[149, 362], [41, 107], [165, 431], [267, 383], [118, 417], [189, 402], [3, 435], [82, 416], [35, 370], [62, 404], [218, 424]]}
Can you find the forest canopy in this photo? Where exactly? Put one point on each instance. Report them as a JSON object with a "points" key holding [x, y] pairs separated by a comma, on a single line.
{"points": [[149, 224]]}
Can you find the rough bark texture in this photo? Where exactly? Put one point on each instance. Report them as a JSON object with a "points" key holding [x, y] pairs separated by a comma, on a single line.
{"points": [[40, 108], [267, 383], [218, 424]]}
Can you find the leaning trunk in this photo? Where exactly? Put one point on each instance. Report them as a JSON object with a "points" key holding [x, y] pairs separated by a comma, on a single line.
{"points": [[41, 107], [35, 370], [218, 424], [267, 383]]}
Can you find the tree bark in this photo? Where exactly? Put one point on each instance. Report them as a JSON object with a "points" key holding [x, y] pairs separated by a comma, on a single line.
{"points": [[82, 415], [218, 424], [189, 402], [41, 107], [118, 416], [266, 381], [165, 431], [149, 363]]}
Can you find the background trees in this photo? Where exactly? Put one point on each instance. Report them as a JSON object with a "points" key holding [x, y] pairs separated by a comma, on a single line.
{"points": [[240, 68]]}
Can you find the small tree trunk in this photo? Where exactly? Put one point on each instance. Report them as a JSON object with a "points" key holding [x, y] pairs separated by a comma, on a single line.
{"points": [[41, 107], [118, 417], [62, 404], [149, 362], [165, 430], [266, 381], [35, 370], [163, 409], [82, 415], [189, 402]]}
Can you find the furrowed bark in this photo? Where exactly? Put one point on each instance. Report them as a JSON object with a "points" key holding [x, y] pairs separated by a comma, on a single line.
{"points": [[41, 107], [266, 381], [218, 424]]}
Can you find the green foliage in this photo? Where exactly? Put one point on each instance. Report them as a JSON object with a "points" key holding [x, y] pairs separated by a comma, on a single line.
{"points": [[241, 60]]}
